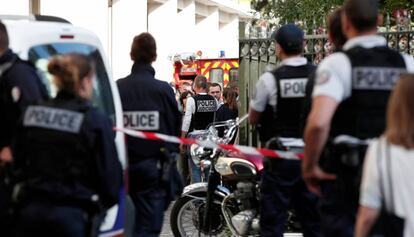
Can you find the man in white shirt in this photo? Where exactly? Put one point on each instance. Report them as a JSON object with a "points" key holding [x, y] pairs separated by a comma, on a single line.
{"points": [[277, 110], [199, 113], [349, 98]]}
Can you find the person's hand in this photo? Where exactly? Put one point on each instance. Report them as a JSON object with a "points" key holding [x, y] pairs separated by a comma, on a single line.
{"points": [[313, 176], [182, 148], [5, 155]]}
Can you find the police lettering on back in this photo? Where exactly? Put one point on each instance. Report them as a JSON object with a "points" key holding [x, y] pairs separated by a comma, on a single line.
{"points": [[375, 78], [206, 106], [293, 88], [51, 118], [142, 120]]}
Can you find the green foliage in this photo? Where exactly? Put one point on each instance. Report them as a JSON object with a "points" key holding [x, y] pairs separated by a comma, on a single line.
{"points": [[313, 10], [296, 10], [390, 5]]}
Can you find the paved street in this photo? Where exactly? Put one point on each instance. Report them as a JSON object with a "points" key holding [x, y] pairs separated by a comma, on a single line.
{"points": [[166, 230]]}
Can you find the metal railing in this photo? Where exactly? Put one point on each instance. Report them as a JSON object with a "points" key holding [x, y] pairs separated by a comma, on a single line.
{"points": [[258, 55]]}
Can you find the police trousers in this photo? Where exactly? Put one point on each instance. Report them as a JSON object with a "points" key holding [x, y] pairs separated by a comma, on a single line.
{"points": [[282, 187], [149, 198], [149, 211], [338, 213], [48, 220], [338, 205]]}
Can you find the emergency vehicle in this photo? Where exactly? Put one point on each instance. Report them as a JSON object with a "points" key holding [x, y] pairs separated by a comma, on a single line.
{"points": [[218, 70], [36, 39]]}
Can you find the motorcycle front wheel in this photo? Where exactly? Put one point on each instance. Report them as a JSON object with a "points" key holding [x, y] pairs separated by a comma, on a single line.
{"points": [[187, 217]]}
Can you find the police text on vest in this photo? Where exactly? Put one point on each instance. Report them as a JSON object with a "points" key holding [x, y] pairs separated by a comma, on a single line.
{"points": [[293, 88], [206, 106], [53, 118], [142, 120], [375, 78]]}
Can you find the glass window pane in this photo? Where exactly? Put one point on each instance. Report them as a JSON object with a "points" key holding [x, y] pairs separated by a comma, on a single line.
{"points": [[234, 74], [102, 94], [216, 76]]}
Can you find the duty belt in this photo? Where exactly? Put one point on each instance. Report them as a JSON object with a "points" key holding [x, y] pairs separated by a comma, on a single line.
{"points": [[344, 151]]}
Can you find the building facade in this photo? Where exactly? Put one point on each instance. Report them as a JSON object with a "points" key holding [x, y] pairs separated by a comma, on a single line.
{"points": [[178, 26]]}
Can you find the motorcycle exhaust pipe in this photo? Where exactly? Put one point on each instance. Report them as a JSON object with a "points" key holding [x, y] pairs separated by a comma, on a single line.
{"points": [[227, 217]]}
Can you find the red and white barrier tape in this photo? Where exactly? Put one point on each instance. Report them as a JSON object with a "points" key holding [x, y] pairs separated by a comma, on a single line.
{"points": [[236, 148]]}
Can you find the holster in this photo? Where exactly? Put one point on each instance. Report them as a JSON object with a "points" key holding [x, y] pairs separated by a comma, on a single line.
{"points": [[170, 178], [346, 162], [271, 164], [94, 223]]}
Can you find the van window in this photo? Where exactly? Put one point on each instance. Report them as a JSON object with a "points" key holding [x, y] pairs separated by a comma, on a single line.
{"points": [[102, 94], [216, 76], [234, 74]]}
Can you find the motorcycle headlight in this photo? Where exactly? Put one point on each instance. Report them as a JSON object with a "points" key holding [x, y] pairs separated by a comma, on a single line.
{"points": [[223, 168], [196, 150]]}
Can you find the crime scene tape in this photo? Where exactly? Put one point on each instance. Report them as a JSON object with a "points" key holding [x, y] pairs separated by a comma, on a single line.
{"points": [[208, 144]]}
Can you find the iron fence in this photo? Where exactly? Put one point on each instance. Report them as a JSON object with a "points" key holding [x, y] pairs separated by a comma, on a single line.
{"points": [[258, 55]]}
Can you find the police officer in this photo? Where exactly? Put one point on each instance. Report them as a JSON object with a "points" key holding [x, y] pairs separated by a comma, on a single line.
{"points": [[277, 109], [200, 111], [350, 97], [19, 85], [149, 105], [66, 167]]}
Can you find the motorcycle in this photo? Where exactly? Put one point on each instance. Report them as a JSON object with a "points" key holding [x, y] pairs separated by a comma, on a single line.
{"points": [[228, 203]]}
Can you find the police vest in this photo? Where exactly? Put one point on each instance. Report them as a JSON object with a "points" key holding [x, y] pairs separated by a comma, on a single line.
{"points": [[374, 74], [205, 109], [56, 151], [291, 90]]}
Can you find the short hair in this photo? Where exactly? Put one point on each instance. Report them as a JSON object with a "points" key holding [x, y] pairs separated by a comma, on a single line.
{"points": [[144, 48], [200, 82], [363, 14], [214, 84], [335, 29], [4, 37]]}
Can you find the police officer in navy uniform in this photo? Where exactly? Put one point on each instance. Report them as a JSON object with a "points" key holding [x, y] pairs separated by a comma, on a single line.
{"points": [[277, 110], [149, 105], [65, 166], [200, 111], [349, 98], [19, 85]]}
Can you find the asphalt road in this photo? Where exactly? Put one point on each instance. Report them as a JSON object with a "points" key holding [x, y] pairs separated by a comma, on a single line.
{"points": [[166, 230]]}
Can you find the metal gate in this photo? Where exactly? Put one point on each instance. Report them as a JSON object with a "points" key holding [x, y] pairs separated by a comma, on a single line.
{"points": [[258, 55]]}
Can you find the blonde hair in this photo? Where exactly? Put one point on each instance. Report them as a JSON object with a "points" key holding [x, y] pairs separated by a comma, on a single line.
{"points": [[400, 113], [69, 70]]}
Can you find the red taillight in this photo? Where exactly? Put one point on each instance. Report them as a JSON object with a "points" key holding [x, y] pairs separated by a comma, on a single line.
{"points": [[67, 36]]}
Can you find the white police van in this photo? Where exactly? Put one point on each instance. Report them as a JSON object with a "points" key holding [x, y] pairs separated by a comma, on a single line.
{"points": [[36, 39]]}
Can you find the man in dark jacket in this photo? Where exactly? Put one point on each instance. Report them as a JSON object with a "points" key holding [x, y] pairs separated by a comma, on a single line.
{"points": [[149, 105], [19, 85]]}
